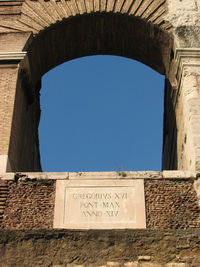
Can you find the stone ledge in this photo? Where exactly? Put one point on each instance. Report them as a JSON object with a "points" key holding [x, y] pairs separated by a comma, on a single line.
{"points": [[101, 175], [7, 176], [12, 56], [11, 59]]}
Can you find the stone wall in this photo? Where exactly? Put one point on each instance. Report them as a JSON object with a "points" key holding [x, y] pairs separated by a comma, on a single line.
{"points": [[170, 203], [172, 237], [133, 248]]}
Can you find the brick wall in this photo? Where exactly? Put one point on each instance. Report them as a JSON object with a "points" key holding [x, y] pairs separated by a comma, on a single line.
{"points": [[8, 77], [27, 237], [24, 143], [170, 204], [29, 205]]}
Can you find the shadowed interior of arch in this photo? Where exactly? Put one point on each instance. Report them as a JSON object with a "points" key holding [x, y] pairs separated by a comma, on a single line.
{"points": [[101, 113], [74, 38]]}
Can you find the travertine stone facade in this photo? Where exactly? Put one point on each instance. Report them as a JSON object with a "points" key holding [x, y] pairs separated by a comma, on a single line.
{"points": [[184, 78], [164, 34]]}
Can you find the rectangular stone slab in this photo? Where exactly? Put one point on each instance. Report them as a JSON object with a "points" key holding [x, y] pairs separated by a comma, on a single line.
{"points": [[99, 204]]}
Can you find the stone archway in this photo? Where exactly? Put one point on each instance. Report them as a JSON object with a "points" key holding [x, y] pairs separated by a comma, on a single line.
{"points": [[39, 35]]}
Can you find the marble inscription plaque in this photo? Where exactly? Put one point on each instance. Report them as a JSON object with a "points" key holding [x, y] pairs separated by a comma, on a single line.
{"points": [[99, 204]]}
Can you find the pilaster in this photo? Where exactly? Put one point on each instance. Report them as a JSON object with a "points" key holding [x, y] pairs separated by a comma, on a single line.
{"points": [[188, 107], [9, 66]]}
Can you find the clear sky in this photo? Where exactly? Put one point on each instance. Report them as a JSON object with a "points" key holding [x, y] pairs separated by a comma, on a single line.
{"points": [[101, 113]]}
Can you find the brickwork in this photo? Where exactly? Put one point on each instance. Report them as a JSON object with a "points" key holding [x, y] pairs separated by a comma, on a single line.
{"points": [[35, 18], [27, 237], [8, 78], [3, 197], [13, 42], [24, 131], [171, 204], [29, 205]]}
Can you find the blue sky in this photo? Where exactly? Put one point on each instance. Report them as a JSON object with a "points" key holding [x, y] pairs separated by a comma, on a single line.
{"points": [[101, 113]]}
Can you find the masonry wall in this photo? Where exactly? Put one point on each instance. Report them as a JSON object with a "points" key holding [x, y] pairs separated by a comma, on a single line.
{"points": [[150, 31], [105, 248], [29, 205], [170, 204], [8, 77], [172, 237], [24, 141], [138, 31]]}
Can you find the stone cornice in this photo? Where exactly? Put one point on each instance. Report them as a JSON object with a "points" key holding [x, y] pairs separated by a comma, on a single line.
{"points": [[186, 57], [12, 1], [11, 57], [121, 175]]}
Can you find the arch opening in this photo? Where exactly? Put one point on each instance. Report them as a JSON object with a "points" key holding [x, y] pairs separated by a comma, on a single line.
{"points": [[76, 37], [108, 118]]}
